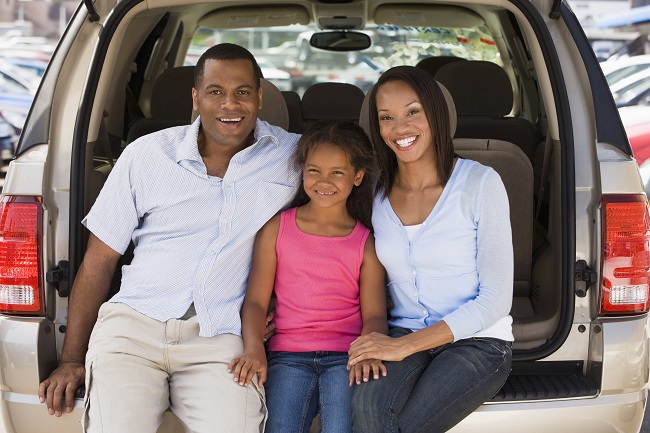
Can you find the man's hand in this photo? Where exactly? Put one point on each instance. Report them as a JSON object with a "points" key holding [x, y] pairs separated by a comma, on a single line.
{"points": [[62, 383], [270, 326], [244, 367]]}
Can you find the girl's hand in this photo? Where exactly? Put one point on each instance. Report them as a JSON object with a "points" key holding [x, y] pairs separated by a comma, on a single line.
{"points": [[361, 371], [376, 346], [247, 364]]}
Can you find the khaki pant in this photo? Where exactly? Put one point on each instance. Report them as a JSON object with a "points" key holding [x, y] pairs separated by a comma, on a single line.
{"points": [[137, 368]]}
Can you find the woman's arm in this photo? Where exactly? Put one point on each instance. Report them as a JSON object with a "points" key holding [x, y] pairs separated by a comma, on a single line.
{"points": [[494, 262], [256, 303], [385, 348]]}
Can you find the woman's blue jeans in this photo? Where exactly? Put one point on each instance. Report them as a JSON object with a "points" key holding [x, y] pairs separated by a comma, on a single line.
{"points": [[300, 383], [433, 390]]}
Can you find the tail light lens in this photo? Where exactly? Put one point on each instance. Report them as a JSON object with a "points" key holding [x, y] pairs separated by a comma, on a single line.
{"points": [[626, 255], [21, 289]]}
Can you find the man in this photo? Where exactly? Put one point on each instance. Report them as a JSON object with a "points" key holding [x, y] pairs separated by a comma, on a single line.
{"points": [[191, 199]]}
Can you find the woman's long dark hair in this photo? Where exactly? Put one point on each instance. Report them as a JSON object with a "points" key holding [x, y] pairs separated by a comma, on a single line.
{"points": [[437, 112], [351, 139]]}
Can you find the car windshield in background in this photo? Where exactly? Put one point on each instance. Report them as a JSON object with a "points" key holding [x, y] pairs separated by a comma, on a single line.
{"points": [[287, 49]]}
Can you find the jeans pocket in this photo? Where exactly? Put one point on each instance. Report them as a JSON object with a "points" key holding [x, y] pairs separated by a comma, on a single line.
{"points": [[501, 346]]}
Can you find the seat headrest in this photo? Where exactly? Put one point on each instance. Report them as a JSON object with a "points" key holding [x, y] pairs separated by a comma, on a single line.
{"points": [[171, 97], [479, 88], [364, 115], [274, 107], [336, 101], [433, 64]]}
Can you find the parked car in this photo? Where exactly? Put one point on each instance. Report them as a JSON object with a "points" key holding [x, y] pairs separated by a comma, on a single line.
{"points": [[35, 67], [8, 139], [618, 69], [15, 101], [20, 78], [582, 249], [636, 120], [281, 79], [635, 93]]}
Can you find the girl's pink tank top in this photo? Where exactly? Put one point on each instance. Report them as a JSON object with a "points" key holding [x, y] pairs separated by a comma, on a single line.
{"points": [[317, 288]]}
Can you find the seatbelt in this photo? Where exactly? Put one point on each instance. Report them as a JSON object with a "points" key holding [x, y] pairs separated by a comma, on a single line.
{"points": [[548, 149], [105, 141]]}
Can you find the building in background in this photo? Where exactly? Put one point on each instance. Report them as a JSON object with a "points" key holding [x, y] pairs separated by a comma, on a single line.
{"points": [[46, 18]]}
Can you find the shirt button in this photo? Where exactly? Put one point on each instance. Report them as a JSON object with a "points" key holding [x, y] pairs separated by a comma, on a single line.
{"points": [[424, 311], [414, 272]]}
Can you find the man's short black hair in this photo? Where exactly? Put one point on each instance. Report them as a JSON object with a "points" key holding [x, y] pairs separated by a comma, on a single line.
{"points": [[226, 51]]}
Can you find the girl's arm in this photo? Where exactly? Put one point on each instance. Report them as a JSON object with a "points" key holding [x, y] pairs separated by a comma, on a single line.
{"points": [[256, 303], [372, 293]]}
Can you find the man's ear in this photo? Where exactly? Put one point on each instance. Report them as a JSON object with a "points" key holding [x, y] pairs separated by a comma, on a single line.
{"points": [[259, 96], [359, 177], [195, 104]]}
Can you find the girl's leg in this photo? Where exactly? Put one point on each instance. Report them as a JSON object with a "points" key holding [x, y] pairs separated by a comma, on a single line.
{"points": [[377, 403], [460, 378], [335, 394], [291, 392]]}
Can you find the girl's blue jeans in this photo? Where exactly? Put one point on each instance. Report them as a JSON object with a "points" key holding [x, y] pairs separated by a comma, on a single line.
{"points": [[433, 390], [300, 383]]}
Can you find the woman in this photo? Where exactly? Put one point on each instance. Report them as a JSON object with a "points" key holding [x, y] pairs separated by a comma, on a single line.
{"points": [[442, 231]]}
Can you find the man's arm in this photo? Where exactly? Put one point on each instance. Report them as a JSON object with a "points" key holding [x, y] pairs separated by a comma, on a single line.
{"points": [[89, 291]]}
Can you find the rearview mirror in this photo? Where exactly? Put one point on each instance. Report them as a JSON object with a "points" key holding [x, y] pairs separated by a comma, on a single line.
{"points": [[340, 41]]}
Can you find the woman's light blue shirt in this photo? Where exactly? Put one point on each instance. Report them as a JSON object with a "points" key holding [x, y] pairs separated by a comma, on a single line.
{"points": [[458, 267]]}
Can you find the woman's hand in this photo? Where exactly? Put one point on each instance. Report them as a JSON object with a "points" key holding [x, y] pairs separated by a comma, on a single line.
{"points": [[361, 371], [252, 361], [376, 346]]}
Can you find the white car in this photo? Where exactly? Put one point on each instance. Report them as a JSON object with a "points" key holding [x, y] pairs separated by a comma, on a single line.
{"points": [[544, 120], [618, 69], [281, 79]]}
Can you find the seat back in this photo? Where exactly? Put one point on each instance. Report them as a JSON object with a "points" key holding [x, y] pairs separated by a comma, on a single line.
{"points": [[484, 98], [294, 108], [433, 64], [171, 95], [336, 101], [516, 172]]}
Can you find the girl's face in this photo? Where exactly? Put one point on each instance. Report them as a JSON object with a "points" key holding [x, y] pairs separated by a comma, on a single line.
{"points": [[328, 176], [402, 122]]}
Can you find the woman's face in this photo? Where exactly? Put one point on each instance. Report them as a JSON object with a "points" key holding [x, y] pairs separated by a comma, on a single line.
{"points": [[402, 122]]}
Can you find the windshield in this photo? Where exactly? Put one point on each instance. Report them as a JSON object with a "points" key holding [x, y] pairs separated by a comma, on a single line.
{"points": [[292, 64]]}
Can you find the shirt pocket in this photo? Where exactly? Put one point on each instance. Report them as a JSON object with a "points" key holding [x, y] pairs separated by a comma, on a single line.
{"points": [[271, 198]]}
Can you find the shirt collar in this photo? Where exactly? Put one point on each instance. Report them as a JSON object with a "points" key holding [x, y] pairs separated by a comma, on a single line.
{"points": [[189, 149]]}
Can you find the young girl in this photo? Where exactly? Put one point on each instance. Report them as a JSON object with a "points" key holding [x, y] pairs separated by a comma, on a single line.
{"points": [[320, 259]]}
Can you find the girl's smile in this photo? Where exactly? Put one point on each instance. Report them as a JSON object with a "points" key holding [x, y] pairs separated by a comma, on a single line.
{"points": [[328, 176]]}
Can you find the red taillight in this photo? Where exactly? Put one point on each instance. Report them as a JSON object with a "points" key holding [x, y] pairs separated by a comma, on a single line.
{"points": [[20, 255], [626, 254]]}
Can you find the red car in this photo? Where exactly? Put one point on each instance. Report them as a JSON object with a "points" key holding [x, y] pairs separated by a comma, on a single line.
{"points": [[636, 120]]}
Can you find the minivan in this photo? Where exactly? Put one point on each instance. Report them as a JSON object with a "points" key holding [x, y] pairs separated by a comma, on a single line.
{"points": [[531, 102]]}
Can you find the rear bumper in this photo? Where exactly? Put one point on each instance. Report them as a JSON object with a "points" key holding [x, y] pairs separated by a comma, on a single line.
{"points": [[604, 414]]}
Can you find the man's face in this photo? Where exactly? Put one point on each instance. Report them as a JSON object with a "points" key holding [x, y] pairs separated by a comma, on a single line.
{"points": [[227, 101]]}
